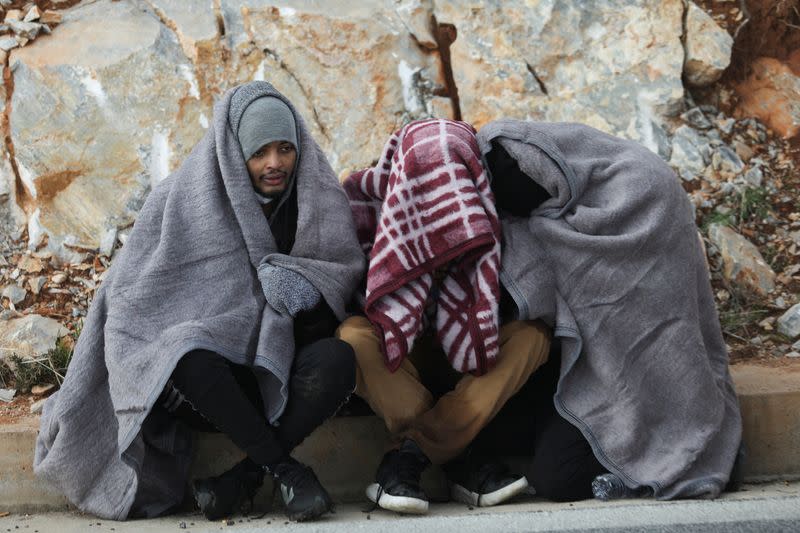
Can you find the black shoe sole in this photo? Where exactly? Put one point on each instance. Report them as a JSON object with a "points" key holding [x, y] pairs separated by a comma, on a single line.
{"points": [[316, 510]]}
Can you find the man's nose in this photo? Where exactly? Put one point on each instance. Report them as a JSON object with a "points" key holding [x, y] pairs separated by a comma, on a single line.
{"points": [[272, 159]]}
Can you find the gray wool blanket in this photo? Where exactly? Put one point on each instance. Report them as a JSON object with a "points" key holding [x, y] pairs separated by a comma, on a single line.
{"points": [[614, 263], [186, 279]]}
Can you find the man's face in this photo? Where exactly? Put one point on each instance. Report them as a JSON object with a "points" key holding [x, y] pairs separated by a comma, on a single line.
{"points": [[271, 166]]}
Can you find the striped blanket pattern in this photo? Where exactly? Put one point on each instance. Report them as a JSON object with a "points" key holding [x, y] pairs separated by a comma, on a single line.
{"points": [[427, 206]]}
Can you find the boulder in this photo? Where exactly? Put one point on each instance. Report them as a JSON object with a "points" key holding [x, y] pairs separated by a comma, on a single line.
{"points": [[30, 336], [615, 66], [708, 48], [742, 262], [772, 94], [101, 110]]}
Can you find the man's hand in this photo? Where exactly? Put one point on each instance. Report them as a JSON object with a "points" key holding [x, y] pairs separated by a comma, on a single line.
{"points": [[287, 292]]}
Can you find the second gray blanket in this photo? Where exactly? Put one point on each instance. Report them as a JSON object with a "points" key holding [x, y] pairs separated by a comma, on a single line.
{"points": [[613, 261]]}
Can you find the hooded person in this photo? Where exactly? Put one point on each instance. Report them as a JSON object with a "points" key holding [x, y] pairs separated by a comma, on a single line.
{"points": [[601, 244], [435, 358], [217, 314]]}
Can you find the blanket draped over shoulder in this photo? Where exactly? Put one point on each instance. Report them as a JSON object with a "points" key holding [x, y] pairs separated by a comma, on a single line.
{"points": [[614, 262], [427, 204], [186, 279]]}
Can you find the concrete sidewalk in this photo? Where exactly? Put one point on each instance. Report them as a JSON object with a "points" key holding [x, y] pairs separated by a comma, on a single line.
{"points": [[758, 508], [346, 450]]}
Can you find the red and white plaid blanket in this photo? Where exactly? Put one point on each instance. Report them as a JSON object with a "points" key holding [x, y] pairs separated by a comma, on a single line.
{"points": [[427, 204]]}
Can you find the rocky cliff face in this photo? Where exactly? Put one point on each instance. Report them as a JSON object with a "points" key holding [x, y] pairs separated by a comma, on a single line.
{"points": [[102, 99], [116, 95]]}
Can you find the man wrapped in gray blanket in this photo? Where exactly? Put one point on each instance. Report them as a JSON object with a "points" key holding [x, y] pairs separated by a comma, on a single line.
{"points": [[600, 243], [217, 315]]}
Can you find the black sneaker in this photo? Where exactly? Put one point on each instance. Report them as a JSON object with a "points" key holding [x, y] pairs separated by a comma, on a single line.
{"points": [[303, 495], [490, 484], [609, 486], [397, 488], [222, 496]]}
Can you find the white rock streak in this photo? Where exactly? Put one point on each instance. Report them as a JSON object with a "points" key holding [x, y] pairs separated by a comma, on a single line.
{"points": [[188, 74], [159, 156], [95, 88], [204, 121], [35, 230], [27, 179], [647, 117], [259, 75], [410, 96]]}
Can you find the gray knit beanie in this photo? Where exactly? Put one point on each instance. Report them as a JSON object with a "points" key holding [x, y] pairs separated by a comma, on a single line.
{"points": [[265, 120]]}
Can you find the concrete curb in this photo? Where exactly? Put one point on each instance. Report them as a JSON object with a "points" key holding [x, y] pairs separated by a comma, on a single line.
{"points": [[770, 402], [345, 451]]}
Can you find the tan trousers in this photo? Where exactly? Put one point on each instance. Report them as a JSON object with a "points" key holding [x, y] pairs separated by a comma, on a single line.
{"points": [[444, 428]]}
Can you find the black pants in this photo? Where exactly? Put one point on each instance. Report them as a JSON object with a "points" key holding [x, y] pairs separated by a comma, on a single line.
{"points": [[562, 464], [210, 393]]}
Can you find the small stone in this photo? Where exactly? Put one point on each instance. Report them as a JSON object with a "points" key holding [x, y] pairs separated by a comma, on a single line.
{"points": [[14, 293], [15, 273], [36, 284], [780, 303], [793, 354], [754, 176], [6, 395], [182, 525], [766, 324], [689, 153], [32, 14], [695, 118], [36, 407], [796, 346], [76, 312], [13, 14], [27, 30], [30, 264], [107, 242], [41, 390], [757, 341], [723, 295], [743, 150], [50, 17], [726, 125], [726, 161], [742, 262], [58, 279], [789, 322], [8, 43]]}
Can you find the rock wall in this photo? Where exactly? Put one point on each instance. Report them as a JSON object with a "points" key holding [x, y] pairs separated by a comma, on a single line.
{"points": [[117, 94]]}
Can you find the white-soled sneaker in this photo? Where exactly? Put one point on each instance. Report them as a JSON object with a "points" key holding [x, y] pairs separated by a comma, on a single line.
{"points": [[491, 484], [397, 485]]}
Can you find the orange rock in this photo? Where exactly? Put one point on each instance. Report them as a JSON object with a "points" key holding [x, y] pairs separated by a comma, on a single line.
{"points": [[772, 94]]}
